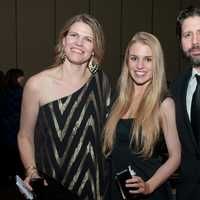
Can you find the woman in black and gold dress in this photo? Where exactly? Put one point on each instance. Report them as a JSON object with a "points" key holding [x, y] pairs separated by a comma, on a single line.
{"points": [[141, 121], [63, 112]]}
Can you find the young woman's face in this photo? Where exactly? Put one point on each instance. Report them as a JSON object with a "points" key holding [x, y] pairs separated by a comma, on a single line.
{"points": [[79, 43], [140, 63]]}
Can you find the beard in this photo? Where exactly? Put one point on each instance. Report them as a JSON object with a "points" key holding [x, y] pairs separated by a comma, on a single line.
{"points": [[195, 61]]}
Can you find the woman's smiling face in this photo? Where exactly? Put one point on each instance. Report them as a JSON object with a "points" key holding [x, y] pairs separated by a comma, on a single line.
{"points": [[140, 63], [79, 43]]}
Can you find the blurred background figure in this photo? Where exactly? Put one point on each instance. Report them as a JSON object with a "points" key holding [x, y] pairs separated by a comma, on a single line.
{"points": [[2, 80], [10, 106], [2, 85]]}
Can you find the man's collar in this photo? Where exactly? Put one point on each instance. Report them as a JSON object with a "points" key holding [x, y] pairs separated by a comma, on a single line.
{"points": [[194, 72]]}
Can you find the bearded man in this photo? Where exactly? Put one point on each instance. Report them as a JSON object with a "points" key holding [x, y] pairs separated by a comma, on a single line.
{"points": [[186, 92]]}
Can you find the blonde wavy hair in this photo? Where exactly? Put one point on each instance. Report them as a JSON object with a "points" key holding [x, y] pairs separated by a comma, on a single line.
{"points": [[146, 129]]}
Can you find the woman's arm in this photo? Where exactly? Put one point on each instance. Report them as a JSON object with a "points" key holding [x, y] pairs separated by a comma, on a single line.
{"points": [[168, 124], [29, 112]]}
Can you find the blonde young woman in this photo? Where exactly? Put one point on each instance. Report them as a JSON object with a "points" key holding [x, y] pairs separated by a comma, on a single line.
{"points": [[63, 112], [142, 119]]}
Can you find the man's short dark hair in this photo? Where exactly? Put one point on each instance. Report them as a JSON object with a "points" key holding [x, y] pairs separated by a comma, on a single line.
{"points": [[190, 11]]}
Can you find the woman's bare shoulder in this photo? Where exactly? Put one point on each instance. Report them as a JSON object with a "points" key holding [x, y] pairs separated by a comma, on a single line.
{"points": [[168, 102], [168, 106], [41, 79]]}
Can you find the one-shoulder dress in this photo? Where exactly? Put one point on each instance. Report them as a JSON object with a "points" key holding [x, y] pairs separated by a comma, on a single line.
{"points": [[68, 138]]}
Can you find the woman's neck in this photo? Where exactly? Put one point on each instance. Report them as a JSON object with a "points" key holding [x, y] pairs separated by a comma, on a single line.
{"points": [[74, 73], [135, 102]]}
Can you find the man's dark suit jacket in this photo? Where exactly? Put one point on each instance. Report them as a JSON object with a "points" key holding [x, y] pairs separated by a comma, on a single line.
{"points": [[188, 187]]}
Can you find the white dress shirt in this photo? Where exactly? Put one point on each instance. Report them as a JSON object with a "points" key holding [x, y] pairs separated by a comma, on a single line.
{"points": [[190, 90]]}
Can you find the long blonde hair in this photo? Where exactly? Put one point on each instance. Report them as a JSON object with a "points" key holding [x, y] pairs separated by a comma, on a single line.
{"points": [[146, 128]]}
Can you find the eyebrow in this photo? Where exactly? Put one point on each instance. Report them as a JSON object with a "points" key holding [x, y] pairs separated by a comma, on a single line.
{"points": [[89, 36], [137, 55], [190, 31]]}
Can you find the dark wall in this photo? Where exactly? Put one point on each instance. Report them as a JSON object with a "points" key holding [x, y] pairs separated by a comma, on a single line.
{"points": [[29, 29]]}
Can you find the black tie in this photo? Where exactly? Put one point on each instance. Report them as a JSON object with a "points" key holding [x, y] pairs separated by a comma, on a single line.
{"points": [[195, 111]]}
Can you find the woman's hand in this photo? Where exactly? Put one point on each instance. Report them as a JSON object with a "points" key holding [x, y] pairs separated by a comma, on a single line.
{"points": [[28, 178], [137, 185]]}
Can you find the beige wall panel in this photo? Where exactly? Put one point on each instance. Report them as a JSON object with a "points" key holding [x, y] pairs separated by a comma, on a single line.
{"points": [[35, 34], [30, 28], [164, 27], [66, 9], [109, 15], [7, 35], [137, 16]]}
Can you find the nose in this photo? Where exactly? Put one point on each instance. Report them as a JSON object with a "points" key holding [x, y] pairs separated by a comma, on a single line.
{"points": [[140, 64], [196, 39], [79, 41]]}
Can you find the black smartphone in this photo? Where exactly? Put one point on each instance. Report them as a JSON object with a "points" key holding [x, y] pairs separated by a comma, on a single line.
{"points": [[121, 178]]}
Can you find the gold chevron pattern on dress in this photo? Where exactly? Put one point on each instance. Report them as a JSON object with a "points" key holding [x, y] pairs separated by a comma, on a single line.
{"points": [[68, 138]]}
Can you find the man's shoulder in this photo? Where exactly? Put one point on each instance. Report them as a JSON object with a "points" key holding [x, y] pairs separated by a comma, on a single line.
{"points": [[180, 84], [182, 78]]}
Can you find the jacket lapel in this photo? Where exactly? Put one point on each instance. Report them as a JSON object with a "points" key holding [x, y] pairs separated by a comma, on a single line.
{"points": [[185, 113]]}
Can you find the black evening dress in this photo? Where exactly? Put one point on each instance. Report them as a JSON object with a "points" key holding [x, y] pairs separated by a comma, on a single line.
{"points": [[68, 138], [122, 156]]}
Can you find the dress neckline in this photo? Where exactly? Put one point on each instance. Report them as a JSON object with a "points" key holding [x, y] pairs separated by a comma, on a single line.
{"points": [[126, 119], [65, 97]]}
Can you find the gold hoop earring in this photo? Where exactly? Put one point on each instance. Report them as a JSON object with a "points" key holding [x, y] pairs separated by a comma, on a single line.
{"points": [[63, 55], [92, 67]]}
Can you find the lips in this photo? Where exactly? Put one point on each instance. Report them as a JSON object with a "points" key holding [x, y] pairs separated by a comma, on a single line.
{"points": [[140, 73], [76, 50], [195, 53]]}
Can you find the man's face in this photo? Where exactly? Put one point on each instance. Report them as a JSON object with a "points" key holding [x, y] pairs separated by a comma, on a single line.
{"points": [[190, 39]]}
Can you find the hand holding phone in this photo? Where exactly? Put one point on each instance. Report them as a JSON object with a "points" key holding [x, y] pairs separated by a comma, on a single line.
{"points": [[121, 178], [23, 188]]}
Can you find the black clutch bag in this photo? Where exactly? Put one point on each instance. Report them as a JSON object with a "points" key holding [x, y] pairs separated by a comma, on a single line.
{"points": [[121, 178], [53, 191]]}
